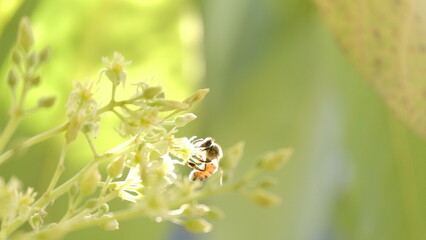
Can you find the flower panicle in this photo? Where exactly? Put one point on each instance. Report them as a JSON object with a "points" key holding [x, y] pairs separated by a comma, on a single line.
{"points": [[152, 169]]}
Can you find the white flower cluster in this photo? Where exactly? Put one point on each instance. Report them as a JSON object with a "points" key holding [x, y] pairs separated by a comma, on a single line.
{"points": [[145, 172], [153, 169], [13, 202]]}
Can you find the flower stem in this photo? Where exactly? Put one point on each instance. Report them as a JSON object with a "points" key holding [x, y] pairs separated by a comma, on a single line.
{"points": [[8, 131], [59, 169], [92, 146], [16, 117], [33, 140]]}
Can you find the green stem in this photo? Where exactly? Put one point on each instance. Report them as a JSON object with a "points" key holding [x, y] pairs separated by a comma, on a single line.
{"points": [[72, 204], [105, 108], [130, 100], [8, 131], [33, 140], [92, 146], [4, 226], [105, 187], [59, 169], [15, 119], [114, 89], [57, 192], [111, 105]]}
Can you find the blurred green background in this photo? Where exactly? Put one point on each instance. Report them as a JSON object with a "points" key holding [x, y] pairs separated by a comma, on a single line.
{"points": [[278, 79]]}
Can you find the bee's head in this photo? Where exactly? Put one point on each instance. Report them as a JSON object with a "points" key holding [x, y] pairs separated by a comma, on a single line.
{"points": [[208, 142]]}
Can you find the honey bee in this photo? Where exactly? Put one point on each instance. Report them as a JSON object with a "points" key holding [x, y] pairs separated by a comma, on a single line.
{"points": [[209, 160]]}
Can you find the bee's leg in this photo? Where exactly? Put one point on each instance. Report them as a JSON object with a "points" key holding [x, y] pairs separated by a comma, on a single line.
{"points": [[193, 165], [200, 159]]}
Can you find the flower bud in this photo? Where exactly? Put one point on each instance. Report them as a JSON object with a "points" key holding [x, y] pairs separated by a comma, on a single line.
{"points": [[197, 225], [267, 182], [215, 213], [169, 105], [232, 156], [74, 126], [92, 203], [90, 180], [115, 168], [16, 57], [108, 223], [25, 34], [115, 68], [151, 92], [104, 209], [12, 78], [273, 161], [161, 95], [195, 210], [36, 221], [44, 55], [184, 119], [87, 127], [196, 97], [73, 191], [35, 81], [265, 198], [32, 59], [46, 101]]}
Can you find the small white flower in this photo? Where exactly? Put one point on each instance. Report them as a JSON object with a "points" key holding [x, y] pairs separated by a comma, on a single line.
{"points": [[169, 168], [142, 122], [130, 188], [13, 202], [185, 148], [115, 68], [81, 97]]}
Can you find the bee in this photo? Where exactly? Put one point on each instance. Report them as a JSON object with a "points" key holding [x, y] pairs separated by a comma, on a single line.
{"points": [[209, 159]]}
